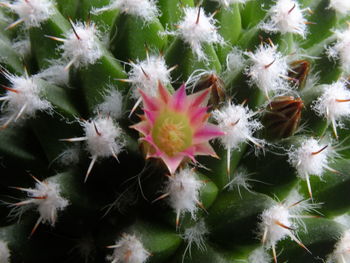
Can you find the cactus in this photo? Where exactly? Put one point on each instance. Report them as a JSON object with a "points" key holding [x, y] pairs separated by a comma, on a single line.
{"points": [[136, 131]]}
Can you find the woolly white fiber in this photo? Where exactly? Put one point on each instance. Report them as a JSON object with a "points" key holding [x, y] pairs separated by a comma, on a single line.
{"points": [[183, 191], [341, 49], [268, 70], [145, 9], [240, 180], [111, 105], [81, 46], [103, 138], [237, 122], [31, 12], [55, 74], [197, 29], [308, 159], [311, 158], [22, 99], [195, 235], [145, 75], [286, 17], [22, 46], [47, 200], [341, 253], [69, 156], [235, 60], [341, 6], [343, 219], [334, 104], [282, 220], [4, 252], [226, 3], [128, 249], [259, 255], [199, 75]]}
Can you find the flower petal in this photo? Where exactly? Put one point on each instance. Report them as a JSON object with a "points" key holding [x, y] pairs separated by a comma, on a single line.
{"points": [[148, 102], [150, 115], [206, 133], [142, 127], [200, 98], [205, 149], [197, 115], [172, 163], [190, 153], [163, 93], [179, 98]]}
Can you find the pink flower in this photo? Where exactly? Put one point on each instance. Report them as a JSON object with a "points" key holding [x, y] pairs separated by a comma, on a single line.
{"points": [[175, 127]]}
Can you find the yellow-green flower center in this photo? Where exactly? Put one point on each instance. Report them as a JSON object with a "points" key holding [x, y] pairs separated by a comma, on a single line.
{"points": [[172, 132]]}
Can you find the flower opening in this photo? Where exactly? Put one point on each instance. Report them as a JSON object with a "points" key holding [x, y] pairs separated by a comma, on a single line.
{"points": [[175, 126]]}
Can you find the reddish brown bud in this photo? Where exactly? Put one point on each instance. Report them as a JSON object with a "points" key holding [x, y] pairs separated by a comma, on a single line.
{"points": [[216, 84], [299, 71], [282, 117]]}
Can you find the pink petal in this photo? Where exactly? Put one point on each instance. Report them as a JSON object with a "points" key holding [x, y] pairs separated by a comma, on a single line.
{"points": [[200, 98], [150, 115], [172, 163], [142, 127], [190, 152], [206, 133], [164, 93], [197, 115], [149, 140], [148, 102], [179, 98], [205, 149]]}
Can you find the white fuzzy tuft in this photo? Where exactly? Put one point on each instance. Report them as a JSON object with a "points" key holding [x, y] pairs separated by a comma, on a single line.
{"points": [[341, 49], [195, 235], [128, 249], [235, 60], [83, 48], [283, 219], [341, 6], [311, 158], [32, 12], [286, 17], [55, 74], [343, 220], [145, 9], [334, 103], [196, 31], [341, 253], [23, 99], [146, 74], [112, 104], [274, 232], [46, 197], [4, 252], [268, 70], [183, 189], [103, 137], [22, 47], [259, 255], [237, 123], [69, 156], [226, 3], [240, 180]]}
